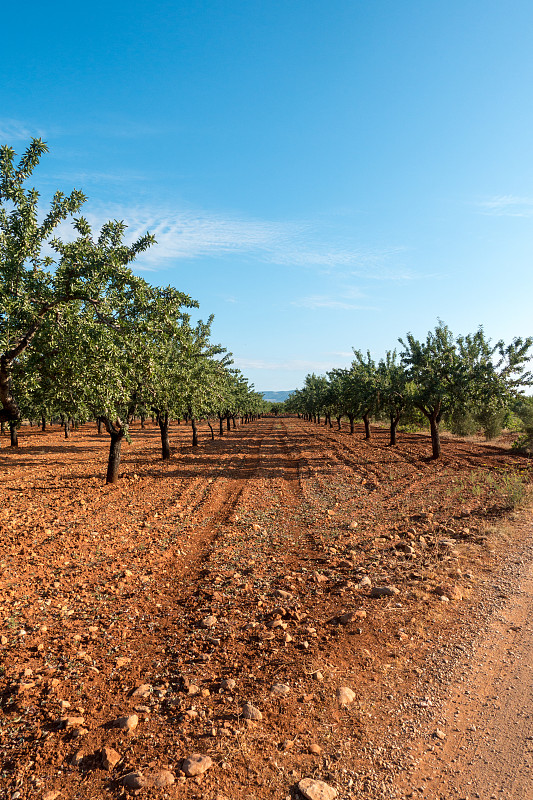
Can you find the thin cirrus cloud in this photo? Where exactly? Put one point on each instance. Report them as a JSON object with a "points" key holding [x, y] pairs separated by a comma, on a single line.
{"points": [[507, 205], [189, 234], [13, 130], [289, 366], [315, 301]]}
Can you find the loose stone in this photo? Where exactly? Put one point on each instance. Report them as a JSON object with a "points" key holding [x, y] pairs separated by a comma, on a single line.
{"points": [[110, 757], [316, 790], [144, 690], [251, 712], [196, 764], [345, 695], [280, 689], [128, 723], [133, 780], [384, 591]]}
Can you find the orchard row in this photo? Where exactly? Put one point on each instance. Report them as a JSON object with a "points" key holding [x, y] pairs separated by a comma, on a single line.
{"points": [[82, 337], [465, 380]]}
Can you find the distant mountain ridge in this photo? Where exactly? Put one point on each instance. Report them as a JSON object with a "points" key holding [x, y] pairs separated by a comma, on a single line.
{"points": [[276, 397]]}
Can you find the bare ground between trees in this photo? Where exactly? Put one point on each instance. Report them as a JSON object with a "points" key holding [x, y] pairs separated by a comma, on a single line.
{"points": [[107, 588]]}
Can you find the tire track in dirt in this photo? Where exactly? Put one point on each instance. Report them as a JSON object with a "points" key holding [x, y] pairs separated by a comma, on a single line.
{"points": [[487, 718]]}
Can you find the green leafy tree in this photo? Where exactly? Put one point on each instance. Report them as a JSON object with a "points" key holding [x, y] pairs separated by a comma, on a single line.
{"points": [[364, 386], [447, 374], [35, 285], [392, 390]]}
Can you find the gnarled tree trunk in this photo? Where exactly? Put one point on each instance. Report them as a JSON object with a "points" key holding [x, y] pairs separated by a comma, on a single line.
{"points": [[13, 430], [165, 443], [366, 422]]}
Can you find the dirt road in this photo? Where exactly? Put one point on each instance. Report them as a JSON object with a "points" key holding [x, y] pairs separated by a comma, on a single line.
{"points": [[487, 723]]}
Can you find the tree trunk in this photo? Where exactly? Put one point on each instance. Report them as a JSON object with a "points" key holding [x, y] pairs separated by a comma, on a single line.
{"points": [[221, 425], [66, 427], [99, 425], [142, 422], [367, 425], [435, 435], [351, 418], [233, 420], [43, 423], [10, 410], [113, 463], [194, 432], [228, 422], [163, 427], [211, 429], [394, 419], [13, 430], [338, 423], [3, 428]]}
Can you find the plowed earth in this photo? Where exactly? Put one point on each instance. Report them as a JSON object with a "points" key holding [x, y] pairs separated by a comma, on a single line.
{"points": [[237, 560]]}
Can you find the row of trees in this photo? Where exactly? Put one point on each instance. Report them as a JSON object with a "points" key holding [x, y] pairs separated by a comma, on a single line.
{"points": [[82, 337], [464, 380]]}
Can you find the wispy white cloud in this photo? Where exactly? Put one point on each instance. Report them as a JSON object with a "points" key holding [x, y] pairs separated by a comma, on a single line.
{"points": [[189, 234], [507, 205], [186, 233], [289, 366], [13, 130], [343, 301]]}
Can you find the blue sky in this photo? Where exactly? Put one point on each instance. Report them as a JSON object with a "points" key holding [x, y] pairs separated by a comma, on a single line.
{"points": [[319, 175]]}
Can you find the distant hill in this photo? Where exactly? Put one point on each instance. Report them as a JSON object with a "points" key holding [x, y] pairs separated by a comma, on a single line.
{"points": [[276, 397]]}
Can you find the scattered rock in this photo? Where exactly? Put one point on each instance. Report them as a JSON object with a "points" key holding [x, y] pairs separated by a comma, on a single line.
{"points": [[209, 622], [71, 722], [121, 661], [228, 684], [77, 758], [251, 712], [317, 676], [343, 619], [365, 581], [384, 591], [452, 592], [345, 695], [127, 724], [439, 734], [280, 689], [159, 779], [314, 749], [51, 795], [281, 593], [144, 690], [133, 780], [109, 757], [316, 790], [353, 525], [196, 764]]}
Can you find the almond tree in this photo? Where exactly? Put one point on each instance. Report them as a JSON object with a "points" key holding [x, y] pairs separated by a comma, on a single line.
{"points": [[392, 389], [445, 374], [39, 274]]}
